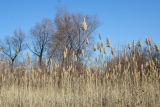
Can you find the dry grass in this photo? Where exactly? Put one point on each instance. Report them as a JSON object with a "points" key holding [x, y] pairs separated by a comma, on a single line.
{"points": [[126, 83]]}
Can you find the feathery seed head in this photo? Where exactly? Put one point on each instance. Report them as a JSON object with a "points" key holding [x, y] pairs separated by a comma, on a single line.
{"points": [[108, 42], [102, 45], [87, 41], [140, 44], [84, 24], [17, 51], [105, 51], [134, 44], [148, 41], [94, 47], [157, 48]]}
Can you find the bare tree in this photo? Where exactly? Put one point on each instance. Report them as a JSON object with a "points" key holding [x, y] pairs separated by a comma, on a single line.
{"points": [[12, 46], [41, 35], [73, 32]]}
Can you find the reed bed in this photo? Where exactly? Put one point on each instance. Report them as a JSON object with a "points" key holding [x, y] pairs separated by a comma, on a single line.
{"points": [[126, 80]]}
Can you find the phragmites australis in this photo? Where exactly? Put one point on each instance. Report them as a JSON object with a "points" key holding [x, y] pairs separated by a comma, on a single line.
{"points": [[84, 24], [129, 46], [112, 51], [157, 48], [104, 51], [17, 51], [73, 53], [74, 56], [87, 41], [108, 42], [148, 41], [140, 44], [94, 47], [102, 45], [149, 50], [142, 67], [134, 44], [65, 52], [124, 52]]}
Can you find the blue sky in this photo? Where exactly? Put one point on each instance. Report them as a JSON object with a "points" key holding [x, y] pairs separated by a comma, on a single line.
{"points": [[121, 20]]}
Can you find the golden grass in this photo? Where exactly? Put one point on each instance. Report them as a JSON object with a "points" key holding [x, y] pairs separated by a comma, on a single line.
{"points": [[122, 84], [79, 90]]}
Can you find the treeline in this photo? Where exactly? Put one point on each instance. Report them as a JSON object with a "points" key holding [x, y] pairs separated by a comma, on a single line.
{"points": [[62, 41]]}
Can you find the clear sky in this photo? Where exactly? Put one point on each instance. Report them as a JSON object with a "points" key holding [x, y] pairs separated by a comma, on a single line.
{"points": [[121, 20]]}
